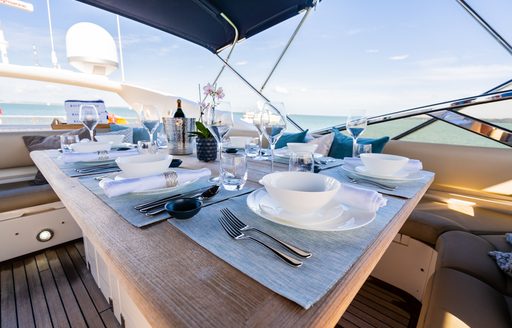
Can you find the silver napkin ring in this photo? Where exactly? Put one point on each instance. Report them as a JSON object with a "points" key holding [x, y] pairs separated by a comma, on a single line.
{"points": [[171, 179], [103, 155]]}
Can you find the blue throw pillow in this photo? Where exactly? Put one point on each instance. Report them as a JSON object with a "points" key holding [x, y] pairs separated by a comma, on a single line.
{"points": [[342, 145], [291, 137], [138, 133]]}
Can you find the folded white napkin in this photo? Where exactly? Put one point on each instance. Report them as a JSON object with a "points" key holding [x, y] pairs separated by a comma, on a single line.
{"points": [[412, 166], [97, 156], [123, 186], [363, 199]]}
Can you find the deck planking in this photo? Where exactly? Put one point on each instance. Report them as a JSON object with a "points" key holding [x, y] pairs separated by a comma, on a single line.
{"points": [[52, 288]]}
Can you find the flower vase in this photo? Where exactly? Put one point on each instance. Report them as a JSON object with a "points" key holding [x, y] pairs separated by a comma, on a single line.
{"points": [[206, 149]]}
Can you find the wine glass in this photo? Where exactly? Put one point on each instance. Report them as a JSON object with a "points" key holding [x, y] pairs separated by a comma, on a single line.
{"points": [[356, 124], [219, 120], [150, 118], [257, 123], [273, 124], [88, 115]]}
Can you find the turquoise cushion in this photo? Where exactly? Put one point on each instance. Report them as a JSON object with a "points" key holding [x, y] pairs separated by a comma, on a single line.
{"points": [[342, 145], [138, 133], [291, 137]]}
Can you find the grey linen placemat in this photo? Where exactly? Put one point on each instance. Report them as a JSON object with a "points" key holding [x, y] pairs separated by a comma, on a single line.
{"points": [[405, 190], [124, 204], [334, 253], [70, 168]]}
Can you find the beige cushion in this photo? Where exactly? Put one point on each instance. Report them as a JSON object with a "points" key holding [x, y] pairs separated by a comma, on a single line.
{"points": [[430, 219], [24, 194], [460, 300], [468, 253], [324, 143]]}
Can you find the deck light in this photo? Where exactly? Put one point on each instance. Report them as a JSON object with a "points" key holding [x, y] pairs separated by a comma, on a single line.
{"points": [[45, 235]]}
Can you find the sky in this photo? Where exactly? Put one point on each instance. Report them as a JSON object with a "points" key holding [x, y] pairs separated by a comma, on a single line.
{"points": [[378, 56]]}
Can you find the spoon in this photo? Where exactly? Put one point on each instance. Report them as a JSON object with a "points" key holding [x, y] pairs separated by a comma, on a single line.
{"points": [[207, 194]]}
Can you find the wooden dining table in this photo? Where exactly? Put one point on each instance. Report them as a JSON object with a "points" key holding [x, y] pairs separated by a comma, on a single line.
{"points": [[176, 282]]}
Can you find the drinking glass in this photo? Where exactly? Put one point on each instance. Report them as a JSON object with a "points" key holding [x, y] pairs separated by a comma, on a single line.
{"points": [[233, 170], [219, 120], [257, 123], [252, 148], [273, 124], [88, 115], [150, 118], [362, 149], [301, 162], [66, 140], [356, 124]]}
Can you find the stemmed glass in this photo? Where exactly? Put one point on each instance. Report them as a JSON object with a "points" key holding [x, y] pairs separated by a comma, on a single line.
{"points": [[257, 123], [88, 115], [150, 119], [273, 123], [356, 124], [219, 120]]}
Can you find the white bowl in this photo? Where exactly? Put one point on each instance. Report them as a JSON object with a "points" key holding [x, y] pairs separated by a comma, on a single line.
{"points": [[300, 192], [297, 147], [115, 139], [144, 165], [238, 142], [383, 164], [90, 147]]}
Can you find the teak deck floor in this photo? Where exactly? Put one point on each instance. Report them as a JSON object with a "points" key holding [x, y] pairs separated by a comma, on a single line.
{"points": [[53, 288]]}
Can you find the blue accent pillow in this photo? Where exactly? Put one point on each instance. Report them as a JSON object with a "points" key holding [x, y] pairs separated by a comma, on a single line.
{"points": [[291, 137], [342, 145], [138, 133]]}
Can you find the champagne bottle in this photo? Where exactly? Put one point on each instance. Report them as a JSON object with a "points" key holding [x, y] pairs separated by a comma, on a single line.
{"points": [[179, 112]]}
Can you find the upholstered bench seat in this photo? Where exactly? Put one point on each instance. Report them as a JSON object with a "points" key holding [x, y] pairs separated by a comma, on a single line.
{"points": [[468, 289], [24, 194], [430, 219]]}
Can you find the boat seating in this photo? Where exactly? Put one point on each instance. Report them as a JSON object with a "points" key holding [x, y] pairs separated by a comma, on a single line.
{"points": [[468, 289], [430, 219], [24, 194]]}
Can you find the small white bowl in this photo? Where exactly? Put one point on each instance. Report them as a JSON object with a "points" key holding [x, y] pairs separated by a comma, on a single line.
{"points": [[115, 139], [144, 165], [90, 147], [300, 192], [383, 164], [297, 147]]}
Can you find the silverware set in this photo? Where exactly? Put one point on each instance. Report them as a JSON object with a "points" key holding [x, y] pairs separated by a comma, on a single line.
{"points": [[98, 169], [371, 182], [235, 228]]}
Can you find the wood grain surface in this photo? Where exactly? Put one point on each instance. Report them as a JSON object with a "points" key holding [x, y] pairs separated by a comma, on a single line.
{"points": [[176, 282]]}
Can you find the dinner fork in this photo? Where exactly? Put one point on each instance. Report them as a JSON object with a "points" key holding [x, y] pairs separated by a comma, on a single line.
{"points": [[375, 183], [239, 235], [236, 222]]}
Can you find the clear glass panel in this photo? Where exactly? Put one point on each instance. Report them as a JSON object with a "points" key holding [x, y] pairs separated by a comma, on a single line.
{"points": [[499, 113]]}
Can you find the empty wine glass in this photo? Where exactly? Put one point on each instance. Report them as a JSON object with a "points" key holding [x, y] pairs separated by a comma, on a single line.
{"points": [[257, 123], [88, 115], [356, 124], [273, 123], [150, 119], [219, 120]]}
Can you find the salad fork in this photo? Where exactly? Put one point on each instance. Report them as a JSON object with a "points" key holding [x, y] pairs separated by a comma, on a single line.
{"points": [[236, 222], [238, 235]]}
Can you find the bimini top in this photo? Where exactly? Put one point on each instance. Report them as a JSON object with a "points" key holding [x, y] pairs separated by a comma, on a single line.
{"points": [[200, 21]]}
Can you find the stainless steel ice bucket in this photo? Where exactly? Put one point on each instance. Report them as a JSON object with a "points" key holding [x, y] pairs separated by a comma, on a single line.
{"points": [[177, 131]]}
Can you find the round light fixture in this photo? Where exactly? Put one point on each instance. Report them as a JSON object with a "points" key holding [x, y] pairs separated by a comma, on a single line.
{"points": [[45, 235]]}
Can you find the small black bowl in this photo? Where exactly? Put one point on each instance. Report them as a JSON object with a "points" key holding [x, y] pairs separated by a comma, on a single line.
{"points": [[183, 208]]}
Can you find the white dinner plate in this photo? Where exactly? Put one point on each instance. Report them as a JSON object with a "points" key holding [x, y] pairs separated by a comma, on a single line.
{"points": [[393, 179], [363, 170], [285, 153], [349, 218], [121, 175]]}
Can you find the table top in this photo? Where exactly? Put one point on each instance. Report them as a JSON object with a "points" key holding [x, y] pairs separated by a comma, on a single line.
{"points": [[204, 290]]}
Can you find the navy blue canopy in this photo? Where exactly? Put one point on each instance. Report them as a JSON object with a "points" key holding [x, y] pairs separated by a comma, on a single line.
{"points": [[199, 21]]}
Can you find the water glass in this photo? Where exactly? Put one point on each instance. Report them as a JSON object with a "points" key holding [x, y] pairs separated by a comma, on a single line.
{"points": [[252, 148], [301, 162], [233, 170], [66, 140], [360, 148]]}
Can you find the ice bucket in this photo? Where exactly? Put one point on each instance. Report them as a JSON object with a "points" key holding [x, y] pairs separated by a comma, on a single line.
{"points": [[177, 131]]}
